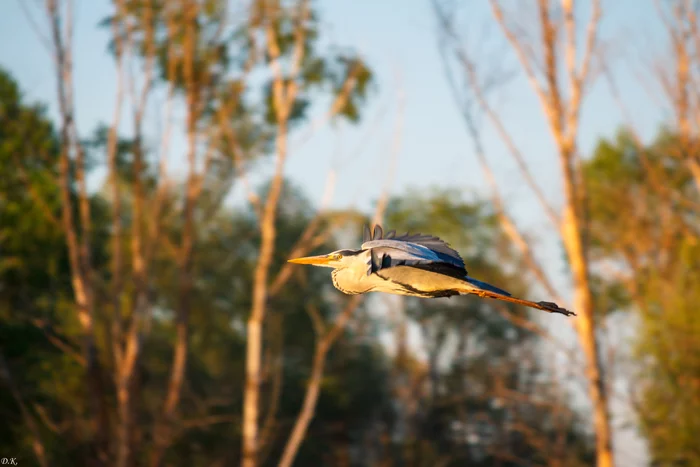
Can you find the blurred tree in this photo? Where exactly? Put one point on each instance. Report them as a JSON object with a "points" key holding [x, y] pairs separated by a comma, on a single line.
{"points": [[677, 73], [649, 260], [32, 259], [560, 70], [37, 303], [244, 84], [40, 358]]}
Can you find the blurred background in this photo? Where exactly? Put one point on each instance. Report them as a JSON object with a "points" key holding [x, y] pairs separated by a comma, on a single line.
{"points": [[162, 159]]}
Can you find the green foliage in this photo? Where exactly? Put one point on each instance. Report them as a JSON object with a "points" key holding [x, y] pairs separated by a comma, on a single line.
{"points": [[35, 291], [643, 209], [224, 53], [668, 394], [32, 273], [28, 161]]}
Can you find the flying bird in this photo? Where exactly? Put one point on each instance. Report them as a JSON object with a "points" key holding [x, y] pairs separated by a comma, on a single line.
{"points": [[414, 265]]}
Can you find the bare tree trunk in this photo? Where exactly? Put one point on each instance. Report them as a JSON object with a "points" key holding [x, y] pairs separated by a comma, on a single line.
{"points": [[185, 254], [122, 431], [561, 103], [585, 326], [284, 92], [680, 80], [255, 322], [325, 341], [284, 96], [78, 247], [130, 343]]}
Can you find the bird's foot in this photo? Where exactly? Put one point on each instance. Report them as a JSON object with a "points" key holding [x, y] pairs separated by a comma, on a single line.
{"points": [[554, 308]]}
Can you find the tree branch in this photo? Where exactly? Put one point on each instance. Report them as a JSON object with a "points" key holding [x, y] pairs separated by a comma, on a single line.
{"points": [[284, 95], [323, 345], [324, 342], [78, 248], [478, 91]]}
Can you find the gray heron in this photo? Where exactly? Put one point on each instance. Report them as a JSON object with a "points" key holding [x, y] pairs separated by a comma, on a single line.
{"points": [[414, 265]]}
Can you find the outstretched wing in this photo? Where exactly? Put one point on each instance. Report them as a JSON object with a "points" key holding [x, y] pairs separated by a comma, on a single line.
{"points": [[427, 245], [424, 251]]}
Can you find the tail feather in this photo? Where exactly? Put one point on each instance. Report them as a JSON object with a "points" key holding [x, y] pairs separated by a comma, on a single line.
{"points": [[487, 290]]}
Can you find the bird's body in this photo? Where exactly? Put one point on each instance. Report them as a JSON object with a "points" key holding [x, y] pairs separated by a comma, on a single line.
{"points": [[412, 265], [400, 280]]}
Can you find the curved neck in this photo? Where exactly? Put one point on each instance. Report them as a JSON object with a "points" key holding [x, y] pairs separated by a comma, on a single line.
{"points": [[352, 279]]}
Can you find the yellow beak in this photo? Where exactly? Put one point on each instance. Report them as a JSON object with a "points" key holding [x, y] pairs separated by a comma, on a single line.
{"points": [[318, 260]]}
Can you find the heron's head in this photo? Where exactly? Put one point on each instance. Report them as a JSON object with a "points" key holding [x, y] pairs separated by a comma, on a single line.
{"points": [[337, 260]]}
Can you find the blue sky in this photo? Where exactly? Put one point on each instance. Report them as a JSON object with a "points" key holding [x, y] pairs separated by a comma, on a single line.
{"points": [[398, 39]]}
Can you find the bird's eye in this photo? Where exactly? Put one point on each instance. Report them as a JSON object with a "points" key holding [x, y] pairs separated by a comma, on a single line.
{"points": [[336, 256]]}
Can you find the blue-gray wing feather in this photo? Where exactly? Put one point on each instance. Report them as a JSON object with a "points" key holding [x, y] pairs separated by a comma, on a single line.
{"points": [[402, 249], [382, 256], [410, 250], [419, 251], [438, 247]]}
